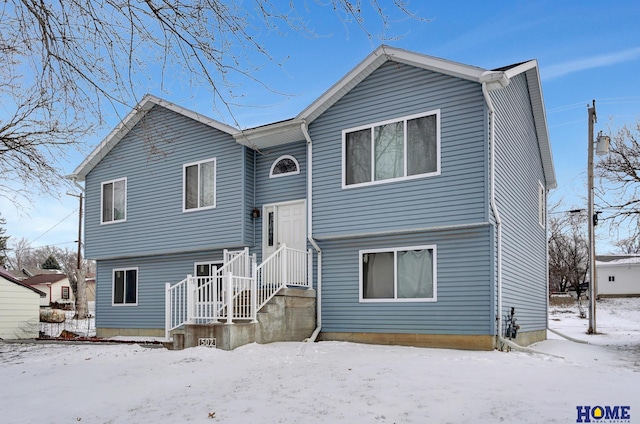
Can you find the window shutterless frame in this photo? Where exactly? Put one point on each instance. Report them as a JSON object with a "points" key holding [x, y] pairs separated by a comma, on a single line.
{"points": [[394, 251], [199, 181], [113, 201], [127, 294], [283, 166], [404, 172]]}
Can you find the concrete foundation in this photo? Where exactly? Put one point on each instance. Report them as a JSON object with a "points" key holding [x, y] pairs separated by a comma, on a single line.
{"points": [[525, 338], [448, 341], [129, 332], [289, 316]]}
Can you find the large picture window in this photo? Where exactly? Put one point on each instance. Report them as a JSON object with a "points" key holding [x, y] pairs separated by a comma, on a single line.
{"points": [[200, 185], [404, 148], [114, 201], [125, 286], [398, 274]]}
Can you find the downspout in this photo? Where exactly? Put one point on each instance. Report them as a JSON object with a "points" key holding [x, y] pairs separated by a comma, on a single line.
{"points": [[494, 208], [305, 131]]}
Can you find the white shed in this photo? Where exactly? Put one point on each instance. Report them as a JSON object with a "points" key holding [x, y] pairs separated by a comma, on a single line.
{"points": [[19, 309], [618, 276]]}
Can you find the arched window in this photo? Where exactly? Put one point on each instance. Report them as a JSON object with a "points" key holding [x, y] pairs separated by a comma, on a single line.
{"points": [[284, 165]]}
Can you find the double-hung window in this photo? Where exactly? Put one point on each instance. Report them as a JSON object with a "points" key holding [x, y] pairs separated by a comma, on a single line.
{"points": [[403, 148], [125, 286], [114, 201], [398, 274], [200, 185]]}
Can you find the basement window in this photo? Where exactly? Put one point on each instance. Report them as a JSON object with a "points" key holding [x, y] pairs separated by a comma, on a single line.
{"points": [[398, 274]]}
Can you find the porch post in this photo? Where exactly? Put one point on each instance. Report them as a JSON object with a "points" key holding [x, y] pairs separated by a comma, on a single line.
{"points": [[229, 284], [190, 298], [247, 263], [254, 291], [167, 310], [284, 265]]}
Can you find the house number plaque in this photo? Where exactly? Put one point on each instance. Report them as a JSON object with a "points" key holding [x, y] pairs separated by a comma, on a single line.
{"points": [[207, 341]]}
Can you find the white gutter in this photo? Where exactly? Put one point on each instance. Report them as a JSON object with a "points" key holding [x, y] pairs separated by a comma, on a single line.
{"points": [[494, 206], [305, 131]]}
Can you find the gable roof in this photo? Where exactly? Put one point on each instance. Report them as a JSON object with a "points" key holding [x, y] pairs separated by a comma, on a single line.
{"points": [[44, 278], [30, 272], [292, 130], [130, 121], [10, 278]]}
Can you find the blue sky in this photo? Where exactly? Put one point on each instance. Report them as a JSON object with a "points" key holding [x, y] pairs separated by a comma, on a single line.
{"points": [[586, 50]]}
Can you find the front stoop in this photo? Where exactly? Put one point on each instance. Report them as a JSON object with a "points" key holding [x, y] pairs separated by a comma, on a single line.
{"points": [[289, 316]]}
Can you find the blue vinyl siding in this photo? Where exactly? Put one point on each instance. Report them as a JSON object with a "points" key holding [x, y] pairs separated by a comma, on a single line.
{"points": [[457, 196], [463, 287], [151, 156], [281, 189], [518, 171], [249, 196], [153, 273]]}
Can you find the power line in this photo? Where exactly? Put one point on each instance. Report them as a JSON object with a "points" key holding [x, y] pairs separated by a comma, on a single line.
{"points": [[55, 225]]}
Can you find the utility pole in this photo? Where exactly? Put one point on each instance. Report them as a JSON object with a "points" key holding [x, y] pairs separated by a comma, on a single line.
{"points": [[591, 221], [82, 309], [80, 234]]}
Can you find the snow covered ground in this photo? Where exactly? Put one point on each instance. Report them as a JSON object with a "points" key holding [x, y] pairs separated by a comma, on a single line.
{"points": [[330, 382]]}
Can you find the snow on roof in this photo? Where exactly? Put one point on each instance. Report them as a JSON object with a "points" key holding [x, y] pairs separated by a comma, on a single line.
{"points": [[621, 261], [44, 278]]}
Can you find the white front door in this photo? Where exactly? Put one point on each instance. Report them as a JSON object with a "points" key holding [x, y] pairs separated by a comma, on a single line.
{"points": [[284, 223]]}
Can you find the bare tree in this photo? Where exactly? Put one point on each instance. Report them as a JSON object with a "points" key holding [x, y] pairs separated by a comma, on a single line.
{"points": [[628, 246], [568, 252], [3, 242], [619, 190], [65, 61], [76, 275], [20, 255]]}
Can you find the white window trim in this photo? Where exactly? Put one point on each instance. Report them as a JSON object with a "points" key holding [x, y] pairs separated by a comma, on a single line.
{"points": [[217, 264], [113, 286], [542, 205], [395, 273], [184, 185], [406, 177], [273, 165], [126, 188]]}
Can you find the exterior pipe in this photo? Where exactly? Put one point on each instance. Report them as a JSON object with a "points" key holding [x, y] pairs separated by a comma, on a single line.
{"points": [[573, 339], [494, 206], [519, 348], [313, 243]]}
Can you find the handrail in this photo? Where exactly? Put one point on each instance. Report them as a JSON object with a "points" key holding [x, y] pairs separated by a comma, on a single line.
{"points": [[175, 306], [228, 295], [284, 267]]}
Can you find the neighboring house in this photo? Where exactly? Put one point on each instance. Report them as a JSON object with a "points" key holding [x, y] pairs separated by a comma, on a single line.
{"points": [[618, 276], [24, 273], [55, 286], [19, 308], [419, 183]]}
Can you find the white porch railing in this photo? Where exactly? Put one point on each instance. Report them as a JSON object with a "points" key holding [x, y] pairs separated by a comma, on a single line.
{"points": [[238, 290], [285, 267]]}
